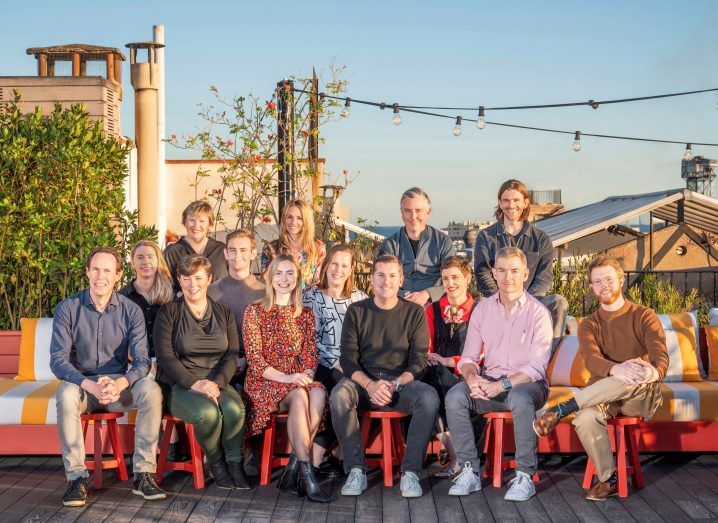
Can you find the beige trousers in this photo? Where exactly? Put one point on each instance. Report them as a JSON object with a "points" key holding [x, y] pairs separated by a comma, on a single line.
{"points": [[606, 399]]}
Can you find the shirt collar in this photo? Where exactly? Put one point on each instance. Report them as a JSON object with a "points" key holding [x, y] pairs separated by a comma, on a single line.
{"points": [[500, 231], [521, 301], [87, 301]]}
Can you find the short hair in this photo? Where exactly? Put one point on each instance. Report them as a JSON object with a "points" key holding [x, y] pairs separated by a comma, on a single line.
{"points": [[105, 250], [241, 233], [514, 185], [604, 261], [460, 263], [387, 258], [193, 263], [511, 252], [199, 207], [415, 192]]}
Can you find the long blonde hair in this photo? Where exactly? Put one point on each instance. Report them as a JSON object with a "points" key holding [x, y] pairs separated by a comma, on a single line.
{"points": [[308, 244], [161, 290], [295, 299]]}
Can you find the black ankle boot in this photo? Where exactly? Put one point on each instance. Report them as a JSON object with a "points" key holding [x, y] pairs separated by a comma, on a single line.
{"points": [[308, 486], [236, 470], [288, 480], [221, 476]]}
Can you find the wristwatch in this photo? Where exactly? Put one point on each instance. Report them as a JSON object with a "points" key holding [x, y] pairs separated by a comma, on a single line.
{"points": [[397, 385], [506, 383]]}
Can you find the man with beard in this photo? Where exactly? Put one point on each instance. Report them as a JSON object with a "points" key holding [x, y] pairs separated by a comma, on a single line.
{"points": [[624, 348]]}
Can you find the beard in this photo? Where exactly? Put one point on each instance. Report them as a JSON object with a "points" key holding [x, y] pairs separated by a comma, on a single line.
{"points": [[611, 298]]}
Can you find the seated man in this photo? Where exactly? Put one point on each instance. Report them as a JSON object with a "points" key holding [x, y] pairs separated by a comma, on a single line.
{"points": [[92, 334], [384, 347], [512, 229], [511, 332], [624, 348], [421, 249]]}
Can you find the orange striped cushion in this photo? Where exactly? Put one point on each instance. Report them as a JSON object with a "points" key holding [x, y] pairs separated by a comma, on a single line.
{"points": [[712, 339], [681, 342], [35, 350], [567, 366]]}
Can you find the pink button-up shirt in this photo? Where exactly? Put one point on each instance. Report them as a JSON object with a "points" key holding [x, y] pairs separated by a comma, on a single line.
{"points": [[519, 342]]}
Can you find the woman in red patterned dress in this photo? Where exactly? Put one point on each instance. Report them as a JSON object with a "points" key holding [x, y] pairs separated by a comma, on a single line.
{"points": [[282, 358]]}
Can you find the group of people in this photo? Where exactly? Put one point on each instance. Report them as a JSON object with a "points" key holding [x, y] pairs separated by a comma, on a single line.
{"points": [[196, 334]]}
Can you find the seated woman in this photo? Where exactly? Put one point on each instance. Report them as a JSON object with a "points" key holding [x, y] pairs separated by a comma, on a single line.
{"points": [[296, 237], [197, 346], [282, 359], [448, 320], [329, 301]]}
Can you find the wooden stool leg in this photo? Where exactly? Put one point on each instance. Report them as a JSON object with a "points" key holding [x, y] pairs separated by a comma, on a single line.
{"points": [[397, 438], [621, 461], [97, 471], [114, 432], [197, 458], [386, 453], [265, 473], [164, 448], [488, 448], [634, 435], [498, 454], [588, 475]]}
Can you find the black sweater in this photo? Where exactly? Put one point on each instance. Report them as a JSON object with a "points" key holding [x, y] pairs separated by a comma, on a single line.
{"points": [[390, 341], [214, 251], [178, 363]]}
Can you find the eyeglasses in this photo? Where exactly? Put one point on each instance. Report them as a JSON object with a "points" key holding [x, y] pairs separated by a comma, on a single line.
{"points": [[610, 280]]}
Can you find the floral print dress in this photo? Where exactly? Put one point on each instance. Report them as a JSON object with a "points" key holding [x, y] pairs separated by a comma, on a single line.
{"points": [[275, 339], [309, 272]]}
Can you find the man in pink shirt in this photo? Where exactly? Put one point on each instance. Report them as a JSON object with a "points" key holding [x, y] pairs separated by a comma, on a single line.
{"points": [[507, 350]]}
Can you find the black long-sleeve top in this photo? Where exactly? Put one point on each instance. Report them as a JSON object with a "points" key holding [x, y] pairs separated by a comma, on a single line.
{"points": [[190, 349]]}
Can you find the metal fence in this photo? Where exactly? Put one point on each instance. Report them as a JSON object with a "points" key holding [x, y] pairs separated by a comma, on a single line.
{"points": [[705, 281]]}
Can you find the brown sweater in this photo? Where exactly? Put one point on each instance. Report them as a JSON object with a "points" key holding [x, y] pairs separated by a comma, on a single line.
{"points": [[634, 331]]}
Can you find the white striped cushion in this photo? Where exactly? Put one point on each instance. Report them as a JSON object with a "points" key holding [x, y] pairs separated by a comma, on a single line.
{"points": [[35, 350], [681, 331], [567, 366]]}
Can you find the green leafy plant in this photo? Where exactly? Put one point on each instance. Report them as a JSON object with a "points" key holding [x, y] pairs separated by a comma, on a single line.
{"points": [[571, 283], [664, 298]]}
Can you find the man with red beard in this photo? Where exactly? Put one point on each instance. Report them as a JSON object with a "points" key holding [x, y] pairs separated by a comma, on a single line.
{"points": [[624, 348]]}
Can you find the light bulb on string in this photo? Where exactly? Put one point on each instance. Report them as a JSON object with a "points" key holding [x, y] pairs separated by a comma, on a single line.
{"points": [[577, 141], [345, 112], [397, 117], [688, 155], [457, 127], [480, 122]]}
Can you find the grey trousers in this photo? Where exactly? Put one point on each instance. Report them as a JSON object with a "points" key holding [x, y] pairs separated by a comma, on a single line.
{"points": [[523, 401], [72, 401], [557, 305]]}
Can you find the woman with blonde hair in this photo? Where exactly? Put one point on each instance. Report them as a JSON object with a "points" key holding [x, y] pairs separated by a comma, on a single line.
{"points": [[281, 352], [296, 238]]}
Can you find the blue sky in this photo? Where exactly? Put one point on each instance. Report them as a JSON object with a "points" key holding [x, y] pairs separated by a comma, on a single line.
{"points": [[431, 53]]}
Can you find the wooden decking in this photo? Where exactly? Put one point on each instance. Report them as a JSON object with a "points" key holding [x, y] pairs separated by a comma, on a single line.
{"points": [[679, 487]]}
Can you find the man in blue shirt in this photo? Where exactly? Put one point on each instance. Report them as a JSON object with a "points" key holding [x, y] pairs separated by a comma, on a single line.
{"points": [[92, 334]]}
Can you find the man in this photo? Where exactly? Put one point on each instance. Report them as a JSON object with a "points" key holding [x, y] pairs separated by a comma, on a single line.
{"points": [[512, 229], [92, 334], [624, 348], [384, 347], [504, 362], [420, 248]]}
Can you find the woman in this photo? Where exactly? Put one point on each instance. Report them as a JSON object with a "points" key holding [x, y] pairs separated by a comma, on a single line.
{"points": [[448, 320], [329, 301], [296, 237], [282, 359], [151, 288], [197, 348]]}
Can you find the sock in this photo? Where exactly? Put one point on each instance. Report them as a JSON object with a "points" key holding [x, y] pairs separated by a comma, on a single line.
{"points": [[565, 408], [613, 479]]}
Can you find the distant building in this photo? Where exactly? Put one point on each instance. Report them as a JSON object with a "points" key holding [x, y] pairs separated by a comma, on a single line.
{"points": [[457, 230], [544, 203]]}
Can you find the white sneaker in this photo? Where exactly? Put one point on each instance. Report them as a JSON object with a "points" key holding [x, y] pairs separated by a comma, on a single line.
{"points": [[355, 483], [410, 487], [466, 482], [522, 488]]}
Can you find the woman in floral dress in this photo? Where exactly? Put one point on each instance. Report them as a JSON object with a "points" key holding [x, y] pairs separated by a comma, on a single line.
{"points": [[296, 237], [281, 352]]}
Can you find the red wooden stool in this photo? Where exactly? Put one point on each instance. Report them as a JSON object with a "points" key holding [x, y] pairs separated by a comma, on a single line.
{"points": [[495, 463], [392, 441], [195, 465], [97, 464], [269, 460], [624, 439]]}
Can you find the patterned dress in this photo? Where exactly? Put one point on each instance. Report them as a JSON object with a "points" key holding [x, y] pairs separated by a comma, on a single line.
{"points": [[275, 339], [309, 272]]}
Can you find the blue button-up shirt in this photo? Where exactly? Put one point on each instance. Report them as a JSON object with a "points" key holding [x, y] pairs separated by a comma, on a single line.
{"points": [[87, 343]]}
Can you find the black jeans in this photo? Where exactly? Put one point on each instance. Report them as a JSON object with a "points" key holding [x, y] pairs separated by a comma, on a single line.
{"points": [[416, 399], [329, 378]]}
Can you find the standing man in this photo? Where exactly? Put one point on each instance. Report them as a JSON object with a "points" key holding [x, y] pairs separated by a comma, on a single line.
{"points": [[512, 229], [624, 347], [420, 247], [384, 347], [92, 334], [504, 362]]}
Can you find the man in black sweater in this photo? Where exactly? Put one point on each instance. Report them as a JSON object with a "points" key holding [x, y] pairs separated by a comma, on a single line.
{"points": [[385, 340]]}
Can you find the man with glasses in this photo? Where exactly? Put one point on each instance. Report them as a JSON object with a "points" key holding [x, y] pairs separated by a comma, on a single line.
{"points": [[624, 348]]}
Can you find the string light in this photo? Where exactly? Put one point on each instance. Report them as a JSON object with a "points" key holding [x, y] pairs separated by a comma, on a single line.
{"points": [[688, 155], [480, 121], [397, 117], [457, 127], [576, 141], [345, 112]]}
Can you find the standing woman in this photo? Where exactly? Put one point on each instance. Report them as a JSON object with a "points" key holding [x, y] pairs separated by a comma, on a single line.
{"points": [[151, 288], [296, 237], [197, 348], [329, 301], [282, 359]]}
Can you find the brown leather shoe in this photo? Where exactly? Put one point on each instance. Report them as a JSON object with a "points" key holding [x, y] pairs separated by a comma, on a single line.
{"points": [[602, 491], [545, 424]]}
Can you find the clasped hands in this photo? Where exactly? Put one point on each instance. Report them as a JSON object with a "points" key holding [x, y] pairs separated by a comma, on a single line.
{"points": [[380, 392], [208, 388], [105, 389], [483, 389], [634, 372]]}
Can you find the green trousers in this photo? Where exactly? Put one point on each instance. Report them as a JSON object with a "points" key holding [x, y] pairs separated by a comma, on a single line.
{"points": [[219, 428]]}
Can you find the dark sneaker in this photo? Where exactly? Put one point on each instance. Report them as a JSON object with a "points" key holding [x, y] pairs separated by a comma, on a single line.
{"points": [[236, 470], [221, 476], [76, 494], [144, 485]]}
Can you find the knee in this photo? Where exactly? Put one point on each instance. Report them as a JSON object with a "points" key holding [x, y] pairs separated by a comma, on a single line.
{"points": [[520, 401], [147, 392], [68, 397], [457, 398], [343, 397], [233, 410], [206, 414], [427, 400], [587, 419]]}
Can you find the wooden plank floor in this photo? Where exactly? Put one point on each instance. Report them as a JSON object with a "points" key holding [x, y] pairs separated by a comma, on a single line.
{"points": [[679, 487]]}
